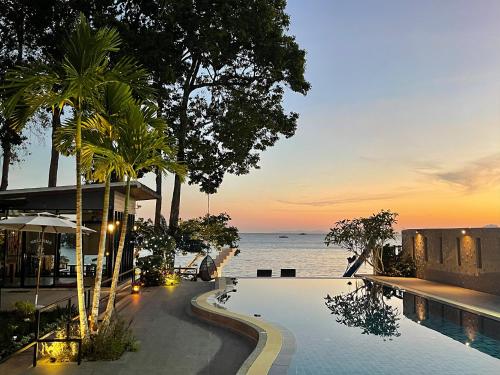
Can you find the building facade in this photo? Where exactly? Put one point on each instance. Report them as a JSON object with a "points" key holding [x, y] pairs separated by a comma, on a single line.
{"points": [[19, 261], [466, 257]]}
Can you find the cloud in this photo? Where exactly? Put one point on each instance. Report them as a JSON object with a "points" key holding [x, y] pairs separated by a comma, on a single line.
{"points": [[348, 199], [472, 176]]}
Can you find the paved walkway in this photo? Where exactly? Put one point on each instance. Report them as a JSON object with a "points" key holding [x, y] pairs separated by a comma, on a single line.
{"points": [[9, 296], [483, 303], [172, 341]]}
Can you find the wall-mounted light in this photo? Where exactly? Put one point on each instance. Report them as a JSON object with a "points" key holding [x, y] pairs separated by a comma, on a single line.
{"points": [[416, 232], [111, 227], [463, 231], [117, 222], [107, 253], [135, 227]]}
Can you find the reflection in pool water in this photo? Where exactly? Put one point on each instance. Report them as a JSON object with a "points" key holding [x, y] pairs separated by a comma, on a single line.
{"points": [[365, 307], [373, 329]]}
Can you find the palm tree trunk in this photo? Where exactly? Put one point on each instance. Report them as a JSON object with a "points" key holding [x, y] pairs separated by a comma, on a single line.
{"points": [[100, 257], [158, 200], [54, 156], [118, 261], [7, 155], [84, 328]]}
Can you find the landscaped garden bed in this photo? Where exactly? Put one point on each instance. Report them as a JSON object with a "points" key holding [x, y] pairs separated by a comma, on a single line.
{"points": [[17, 327]]}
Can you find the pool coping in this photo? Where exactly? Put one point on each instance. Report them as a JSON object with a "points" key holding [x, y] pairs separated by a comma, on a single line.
{"points": [[268, 339], [463, 306]]}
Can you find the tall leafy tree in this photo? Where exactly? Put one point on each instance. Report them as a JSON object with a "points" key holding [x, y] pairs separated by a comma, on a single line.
{"points": [[35, 30], [365, 237], [85, 70], [54, 17], [221, 69], [18, 30]]}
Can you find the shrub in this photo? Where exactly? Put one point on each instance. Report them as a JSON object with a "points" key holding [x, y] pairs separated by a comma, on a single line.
{"points": [[397, 265], [25, 309], [111, 343], [62, 351], [17, 327], [153, 270]]}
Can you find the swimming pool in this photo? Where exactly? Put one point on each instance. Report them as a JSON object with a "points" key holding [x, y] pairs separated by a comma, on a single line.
{"points": [[345, 326]]}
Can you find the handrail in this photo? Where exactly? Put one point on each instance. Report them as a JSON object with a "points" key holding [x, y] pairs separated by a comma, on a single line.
{"points": [[88, 288], [44, 338]]}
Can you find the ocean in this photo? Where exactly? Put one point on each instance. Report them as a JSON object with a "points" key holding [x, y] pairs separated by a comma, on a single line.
{"points": [[307, 253]]}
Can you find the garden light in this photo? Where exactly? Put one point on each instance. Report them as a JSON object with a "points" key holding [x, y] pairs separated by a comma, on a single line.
{"points": [[136, 288], [171, 279]]}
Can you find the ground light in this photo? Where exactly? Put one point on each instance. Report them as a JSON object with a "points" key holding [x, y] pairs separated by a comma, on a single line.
{"points": [[171, 279], [136, 284], [136, 288]]}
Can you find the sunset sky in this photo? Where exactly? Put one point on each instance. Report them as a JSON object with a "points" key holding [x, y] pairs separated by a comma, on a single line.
{"points": [[404, 114]]}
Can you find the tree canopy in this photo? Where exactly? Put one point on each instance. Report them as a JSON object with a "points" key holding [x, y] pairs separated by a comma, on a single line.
{"points": [[221, 69], [365, 236], [198, 235], [366, 308]]}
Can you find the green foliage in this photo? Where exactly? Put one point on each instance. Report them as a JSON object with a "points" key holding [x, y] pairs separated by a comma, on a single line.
{"points": [[220, 69], [107, 345], [25, 309], [153, 270], [366, 308], [397, 265], [156, 240], [365, 236], [160, 245], [62, 351], [196, 235], [111, 343], [17, 327]]}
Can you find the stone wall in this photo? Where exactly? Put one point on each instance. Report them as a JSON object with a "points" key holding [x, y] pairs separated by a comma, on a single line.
{"points": [[468, 257]]}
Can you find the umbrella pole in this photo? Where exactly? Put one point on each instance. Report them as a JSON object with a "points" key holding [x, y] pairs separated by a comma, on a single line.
{"points": [[40, 252]]}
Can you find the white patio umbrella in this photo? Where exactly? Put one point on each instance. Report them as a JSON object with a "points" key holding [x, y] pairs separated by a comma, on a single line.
{"points": [[43, 223]]}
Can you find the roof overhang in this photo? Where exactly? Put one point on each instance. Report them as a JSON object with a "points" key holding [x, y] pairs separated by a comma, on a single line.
{"points": [[60, 197], [138, 191]]}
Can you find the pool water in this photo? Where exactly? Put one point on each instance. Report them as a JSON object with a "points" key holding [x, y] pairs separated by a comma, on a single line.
{"points": [[345, 326]]}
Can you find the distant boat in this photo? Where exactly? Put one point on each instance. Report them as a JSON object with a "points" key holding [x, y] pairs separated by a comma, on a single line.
{"points": [[283, 236], [302, 234]]}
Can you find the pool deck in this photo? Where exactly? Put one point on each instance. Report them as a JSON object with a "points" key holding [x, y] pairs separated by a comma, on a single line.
{"points": [[172, 340], [484, 304]]}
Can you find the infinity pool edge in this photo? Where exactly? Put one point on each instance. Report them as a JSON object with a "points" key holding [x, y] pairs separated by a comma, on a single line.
{"points": [[268, 339]]}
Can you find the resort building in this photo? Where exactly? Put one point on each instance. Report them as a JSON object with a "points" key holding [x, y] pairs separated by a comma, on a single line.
{"points": [[19, 260], [468, 257]]}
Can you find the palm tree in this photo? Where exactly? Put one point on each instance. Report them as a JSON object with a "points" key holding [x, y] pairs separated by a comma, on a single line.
{"points": [[78, 85], [144, 146], [99, 133]]}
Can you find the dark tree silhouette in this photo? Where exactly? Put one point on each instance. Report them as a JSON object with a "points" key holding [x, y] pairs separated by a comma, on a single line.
{"points": [[366, 308]]}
